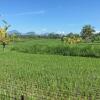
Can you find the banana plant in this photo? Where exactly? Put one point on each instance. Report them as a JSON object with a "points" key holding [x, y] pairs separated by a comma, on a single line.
{"points": [[4, 37]]}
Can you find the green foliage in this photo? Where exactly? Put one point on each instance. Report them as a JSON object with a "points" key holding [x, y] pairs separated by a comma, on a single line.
{"points": [[87, 32], [56, 47], [96, 38], [73, 35], [50, 76], [53, 35], [4, 37]]}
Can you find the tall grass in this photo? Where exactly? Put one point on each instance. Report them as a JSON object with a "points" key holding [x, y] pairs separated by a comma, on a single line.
{"points": [[58, 48]]}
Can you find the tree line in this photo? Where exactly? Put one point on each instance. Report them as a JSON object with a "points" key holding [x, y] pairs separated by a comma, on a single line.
{"points": [[87, 33]]}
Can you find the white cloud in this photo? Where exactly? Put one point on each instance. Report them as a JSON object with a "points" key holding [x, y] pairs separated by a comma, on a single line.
{"points": [[97, 31], [26, 13], [60, 32], [44, 29]]}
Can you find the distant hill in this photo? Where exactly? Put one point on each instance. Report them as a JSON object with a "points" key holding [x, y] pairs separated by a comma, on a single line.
{"points": [[30, 33], [14, 31]]}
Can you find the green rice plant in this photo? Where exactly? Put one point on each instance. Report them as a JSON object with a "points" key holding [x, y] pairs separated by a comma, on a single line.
{"points": [[50, 76], [85, 50]]}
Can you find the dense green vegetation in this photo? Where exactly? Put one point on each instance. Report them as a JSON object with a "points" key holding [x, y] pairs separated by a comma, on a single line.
{"points": [[52, 46], [51, 76], [44, 69]]}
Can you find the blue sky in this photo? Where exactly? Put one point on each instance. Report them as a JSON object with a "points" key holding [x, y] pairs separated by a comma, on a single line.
{"points": [[50, 15]]}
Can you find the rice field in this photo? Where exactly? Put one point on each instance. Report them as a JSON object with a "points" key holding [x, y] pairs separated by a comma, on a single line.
{"points": [[57, 47], [49, 77]]}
